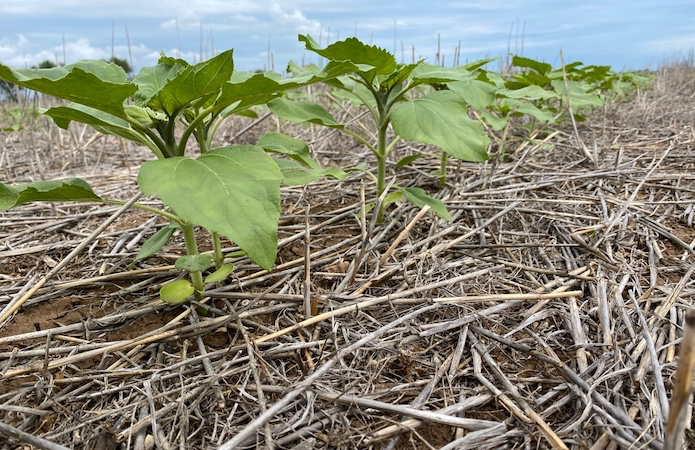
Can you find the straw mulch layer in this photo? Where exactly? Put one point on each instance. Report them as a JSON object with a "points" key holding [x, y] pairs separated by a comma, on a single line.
{"points": [[548, 313]]}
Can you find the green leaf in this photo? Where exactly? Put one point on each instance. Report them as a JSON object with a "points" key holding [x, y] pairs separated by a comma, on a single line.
{"points": [[441, 119], [192, 83], [297, 174], [430, 74], [176, 292], [194, 263], [497, 123], [233, 191], [302, 169], [74, 189], [529, 93], [220, 274], [246, 89], [303, 112], [419, 198], [369, 60], [579, 93], [479, 94], [101, 85], [408, 159], [528, 63], [526, 107], [156, 242], [401, 74], [289, 146], [151, 79], [100, 121], [392, 197], [146, 117]]}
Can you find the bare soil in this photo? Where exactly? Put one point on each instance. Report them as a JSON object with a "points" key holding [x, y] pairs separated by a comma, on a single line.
{"points": [[524, 323]]}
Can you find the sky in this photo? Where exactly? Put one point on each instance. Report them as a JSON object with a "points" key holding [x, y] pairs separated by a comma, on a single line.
{"points": [[628, 35]]}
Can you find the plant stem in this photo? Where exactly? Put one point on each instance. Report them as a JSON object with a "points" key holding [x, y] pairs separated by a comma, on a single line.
{"points": [[192, 250], [181, 150], [442, 169], [217, 251], [381, 166]]}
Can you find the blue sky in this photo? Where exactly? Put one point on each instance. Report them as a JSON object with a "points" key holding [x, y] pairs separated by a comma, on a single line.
{"points": [[633, 34]]}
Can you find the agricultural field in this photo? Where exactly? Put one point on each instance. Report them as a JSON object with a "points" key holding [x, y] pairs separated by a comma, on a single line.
{"points": [[360, 255]]}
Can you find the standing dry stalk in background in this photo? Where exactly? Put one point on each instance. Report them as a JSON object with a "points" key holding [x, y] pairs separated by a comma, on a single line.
{"points": [[682, 387]]}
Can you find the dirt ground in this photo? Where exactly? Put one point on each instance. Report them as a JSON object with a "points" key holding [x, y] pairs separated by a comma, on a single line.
{"points": [[548, 313]]}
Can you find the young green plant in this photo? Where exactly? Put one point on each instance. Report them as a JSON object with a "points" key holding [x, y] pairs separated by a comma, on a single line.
{"points": [[232, 191], [388, 91]]}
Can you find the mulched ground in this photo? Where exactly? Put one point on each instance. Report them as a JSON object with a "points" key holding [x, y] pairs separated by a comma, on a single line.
{"points": [[547, 314]]}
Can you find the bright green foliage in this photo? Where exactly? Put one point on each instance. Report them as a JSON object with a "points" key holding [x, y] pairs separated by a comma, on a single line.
{"points": [[220, 274], [74, 189], [386, 89], [231, 191], [441, 119], [176, 292], [194, 263], [94, 83], [156, 242]]}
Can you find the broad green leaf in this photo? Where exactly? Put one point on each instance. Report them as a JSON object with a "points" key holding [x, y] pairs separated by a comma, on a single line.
{"points": [[408, 159], [528, 63], [233, 191], [289, 146], [100, 121], [176, 292], [401, 74], [475, 65], [243, 93], [194, 263], [101, 85], [297, 174], [392, 197], [370, 60], [247, 89], [220, 274], [526, 107], [357, 93], [579, 94], [74, 189], [497, 123], [529, 93], [479, 94], [419, 197], [528, 79], [441, 119], [151, 79], [302, 112], [193, 83], [156, 242], [428, 73]]}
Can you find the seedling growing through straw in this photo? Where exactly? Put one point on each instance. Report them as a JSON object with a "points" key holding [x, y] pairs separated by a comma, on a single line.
{"points": [[231, 191], [387, 90]]}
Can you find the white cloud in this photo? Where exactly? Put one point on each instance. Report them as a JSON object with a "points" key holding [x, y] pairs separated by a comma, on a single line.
{"points": [[294, 19]]}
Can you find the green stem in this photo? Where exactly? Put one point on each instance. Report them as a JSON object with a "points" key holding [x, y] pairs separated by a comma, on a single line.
{"points": [[381, 166], [217, 251], [191, 128], [192, 250], [169, 216], [360, 138], [442, 169], [154, 143], [381, 161]]}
